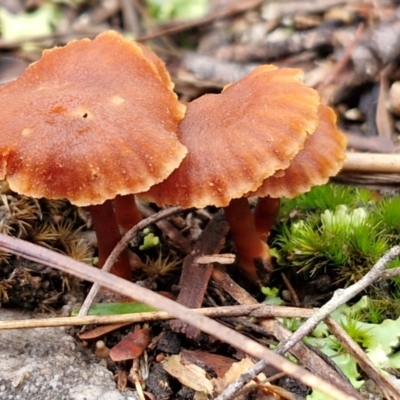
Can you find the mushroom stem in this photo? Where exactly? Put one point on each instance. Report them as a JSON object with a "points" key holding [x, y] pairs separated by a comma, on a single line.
{"points": [[108, 235], [265, 213], [126, 211], [252, 252]]}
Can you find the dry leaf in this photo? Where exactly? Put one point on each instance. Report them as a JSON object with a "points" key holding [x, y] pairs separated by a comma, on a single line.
{"points": [[276, 392], [101, 331], [131, 346], [189, 375], [200, 396], [219, 364], [234, 372]]}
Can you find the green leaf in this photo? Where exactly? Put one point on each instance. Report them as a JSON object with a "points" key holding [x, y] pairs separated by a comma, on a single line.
{"points": [[149, 241], [116, 309], [272, 297], [384, 335]]}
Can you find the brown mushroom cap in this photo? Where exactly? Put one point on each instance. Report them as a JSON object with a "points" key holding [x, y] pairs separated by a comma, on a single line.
{"points": [[89, 121], [158, 65], [238, 138], [322, 157]]}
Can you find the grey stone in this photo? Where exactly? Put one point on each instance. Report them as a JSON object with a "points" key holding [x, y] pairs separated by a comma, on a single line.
{"points": [[49, 364]]}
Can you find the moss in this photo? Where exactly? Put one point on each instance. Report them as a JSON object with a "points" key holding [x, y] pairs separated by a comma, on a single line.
{"points": [[340, 231], [53, 224]]}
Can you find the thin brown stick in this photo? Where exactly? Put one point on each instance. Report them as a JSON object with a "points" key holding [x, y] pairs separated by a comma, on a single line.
{"points": [[371, 162], [300, 350], [259, 311], [195, 277], [63, 263], [384, 385], [338, 68], [130, 17], [293, 295], [120, 247], [232, 390], [391, 273], [341, 296], [231, 9], [169, 230], [383, 117]]}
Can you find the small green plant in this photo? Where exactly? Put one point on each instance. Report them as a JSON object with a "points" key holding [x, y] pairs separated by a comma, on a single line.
{"points": [[380, 342], [149, 240], [326, 197], [347, 238], [375, 311], [272, 296], [162, 266], [343, 231], [387, 213], [343, 240]]}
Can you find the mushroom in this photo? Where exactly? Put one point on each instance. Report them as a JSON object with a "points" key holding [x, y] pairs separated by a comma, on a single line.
{"points": [[236, 140], [322, 157], [126, 210], [90, 121]]}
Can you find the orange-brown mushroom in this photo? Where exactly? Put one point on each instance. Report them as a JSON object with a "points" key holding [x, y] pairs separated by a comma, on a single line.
{"points": [[236, 140], [126, 210], [88, 122], [322, 157]]}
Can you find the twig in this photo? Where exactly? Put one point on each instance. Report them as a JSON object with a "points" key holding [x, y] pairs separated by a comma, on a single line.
{"points": [[368, 162], [55, 260], [232, 389], [293, 295], [385, 385], [391, 273], [302, 41], [175, 237], [372, 144], [340, 296], [256, 310], [339, 66], [231, 9], [300, 350], [194, 277], [135, 375], [368, 180], [120, 247], [383, 118], [130, 17]]}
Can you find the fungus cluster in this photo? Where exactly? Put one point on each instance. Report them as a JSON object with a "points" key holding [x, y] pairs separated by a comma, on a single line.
{"points": [[97, 121], [92, 121], [265, 135]]}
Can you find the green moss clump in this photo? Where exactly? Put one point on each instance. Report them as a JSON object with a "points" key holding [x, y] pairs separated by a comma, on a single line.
{"points": [[341, 231]]}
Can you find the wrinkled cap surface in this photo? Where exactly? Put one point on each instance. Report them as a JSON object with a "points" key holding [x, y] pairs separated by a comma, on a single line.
{"points": [[88, 121], [322, 157], [238, 138]]}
